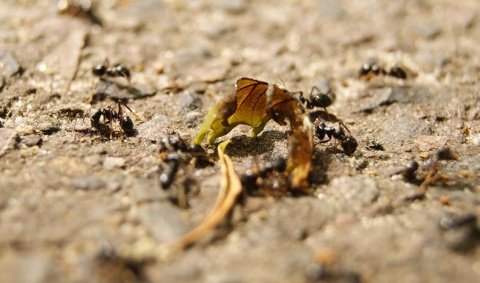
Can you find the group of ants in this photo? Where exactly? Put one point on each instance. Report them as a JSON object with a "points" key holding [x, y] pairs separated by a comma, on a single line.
{"points": [[102, 120]]}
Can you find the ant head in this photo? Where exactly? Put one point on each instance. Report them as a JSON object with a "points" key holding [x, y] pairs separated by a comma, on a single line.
{"points": [[365, 69], [127, 126], [322, 100], [371, 67], [99, 70], [320, 131], [349, 145], [412, 166], [398, 73], [279, 164]]}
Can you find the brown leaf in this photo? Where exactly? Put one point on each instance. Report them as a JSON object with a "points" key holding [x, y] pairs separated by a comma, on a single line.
{"points": [[230, 188], [254, 104]]}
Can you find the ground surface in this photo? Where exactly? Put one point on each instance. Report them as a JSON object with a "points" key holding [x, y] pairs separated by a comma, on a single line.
{"points": [[70, 198]]}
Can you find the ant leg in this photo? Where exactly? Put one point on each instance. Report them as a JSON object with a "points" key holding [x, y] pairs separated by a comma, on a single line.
{"points": [[120, 115], [298, 92], [120, 112], [328, 114], [341, 124], [75, 127], [302, 99], [314, 88], [125, 121], [110, 119], [124, 104]]}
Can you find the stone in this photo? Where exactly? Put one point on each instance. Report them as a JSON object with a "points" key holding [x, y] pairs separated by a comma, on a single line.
{"points": [[87, 183], [145, 190], [163, 220], [232, 6], [189, 101], [8, 140], [111, 162], [8, 65], [32, 140], [154, 128], [355, 193], [192, 118]]}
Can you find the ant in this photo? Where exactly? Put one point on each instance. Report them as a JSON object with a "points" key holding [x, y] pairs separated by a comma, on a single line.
{"points": [[172, 161], [118, 70], [408, 172], [317, 99], [172, 150], [109, 115], [373, 69], [255, 178], [173, 143], [431, 171], [347, 142], [431, 166]]}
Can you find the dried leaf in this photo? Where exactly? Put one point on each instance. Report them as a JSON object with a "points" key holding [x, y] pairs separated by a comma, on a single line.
{"points": [[254, 104], [216, 124], [230, 188], [300, 149], [251, 105]]}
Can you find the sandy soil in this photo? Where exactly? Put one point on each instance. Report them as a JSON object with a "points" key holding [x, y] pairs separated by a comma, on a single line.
{"points": [[76, 206]]}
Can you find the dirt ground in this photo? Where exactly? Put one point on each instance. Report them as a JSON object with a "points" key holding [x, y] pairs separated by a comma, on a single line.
{"points": [[76, 206]]}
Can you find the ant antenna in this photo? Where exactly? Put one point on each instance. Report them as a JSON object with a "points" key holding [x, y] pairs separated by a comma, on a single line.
{"points": [[121, 102]]}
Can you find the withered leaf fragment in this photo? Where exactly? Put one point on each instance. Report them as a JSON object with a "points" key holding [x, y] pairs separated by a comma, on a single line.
{"points": [[230, 188], [255, 103], [216, 121]]}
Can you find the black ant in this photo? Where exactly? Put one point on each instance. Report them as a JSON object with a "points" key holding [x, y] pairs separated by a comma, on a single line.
{"points": [[118, 70], [347, 142], [173, 149], [430, 168], [172, 161], [408, 172], [317, 99], [255, 178], [373, 69], [397, 72], [174, 152], [109, 115], [173, 143]]}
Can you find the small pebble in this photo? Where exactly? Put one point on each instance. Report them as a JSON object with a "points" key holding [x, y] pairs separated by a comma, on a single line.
{"points": [[8, 140], [145, 190], [356, 192], [191, 119], [427, 31], [460, 232], [476, 139], [48, 128], [189, 101], [32, 140], [87, 183], [163, 220], [8, 65], [315, 272], [188, 54], [113, 162], [232, 6], [92, 159], [161, 119]]}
